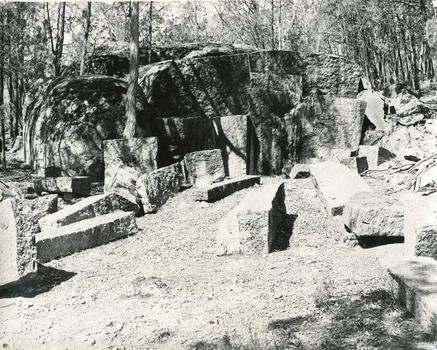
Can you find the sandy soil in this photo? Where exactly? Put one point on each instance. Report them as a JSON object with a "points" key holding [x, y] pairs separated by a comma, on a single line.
{"points": [[165, 288]]}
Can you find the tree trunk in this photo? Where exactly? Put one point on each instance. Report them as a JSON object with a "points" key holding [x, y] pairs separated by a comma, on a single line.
{"points": [[129, 130], [150, 30], [2, 110], [86, 35], [60, 38]]}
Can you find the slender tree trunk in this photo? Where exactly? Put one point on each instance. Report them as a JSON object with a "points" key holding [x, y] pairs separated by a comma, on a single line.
{"points": [[86, 35], [150, 30], [272, 25], [60, 38], [2, 65], [131, 121]]}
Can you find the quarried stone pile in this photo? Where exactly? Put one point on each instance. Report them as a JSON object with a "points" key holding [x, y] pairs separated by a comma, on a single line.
{"points": [[78, 185]]}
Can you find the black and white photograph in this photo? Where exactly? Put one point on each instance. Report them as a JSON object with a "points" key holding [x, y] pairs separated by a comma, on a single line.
{"points": [[218, 175]]}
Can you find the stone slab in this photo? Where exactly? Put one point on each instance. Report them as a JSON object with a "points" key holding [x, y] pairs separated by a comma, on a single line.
{"points": [[414, 284], [336, 184], [85, 234], [65, 184], [368, 214], [18, 225], [156, 188], [420, 229], [86, 209], [252, 227], [300, 171], [375, 155], [205, 167], [357, 164], [225, 188], [426, 180], [232, 131]]}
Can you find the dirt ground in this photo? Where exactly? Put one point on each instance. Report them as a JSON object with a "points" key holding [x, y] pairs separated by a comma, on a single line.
{"points": [[165, 288]]}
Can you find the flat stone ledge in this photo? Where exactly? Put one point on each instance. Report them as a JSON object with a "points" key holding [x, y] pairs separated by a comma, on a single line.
{"points": [[86, 209], [80, 185], [223, 189], [414, 284], [252, 227], [336, 184], [83, 235]]}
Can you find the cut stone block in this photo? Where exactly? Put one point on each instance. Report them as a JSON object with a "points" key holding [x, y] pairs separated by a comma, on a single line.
{"points": [[420, 229], [125, 161], [156, 188], [375, 155], [224, 188], [414, 284], [300, 171], [358, 164], [66, 184], [426, 180], [336, 184], [374, 108], [18, 225], [205, 167], [252, 227], [84, 234], [86, 209], [232, 131], [368, 214]]}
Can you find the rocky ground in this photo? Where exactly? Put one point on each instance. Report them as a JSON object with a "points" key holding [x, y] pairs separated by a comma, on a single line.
{"points": [[165, 288]]}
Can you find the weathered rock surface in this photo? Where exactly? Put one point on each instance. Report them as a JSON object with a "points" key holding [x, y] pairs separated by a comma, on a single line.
{"points": [[411, 119], [368, 214], [156, 188], [427, 180], [374, 108], [358, 164], [375, 155], [125, 161], [329, 74], [84, 234], [336, 184], [225, 188], [414, 283], [18, 226], [86, 209], [205, 167], [80, 185], [330, 123], [67, 120], [406, 104], [253, 226], [232, 131]]}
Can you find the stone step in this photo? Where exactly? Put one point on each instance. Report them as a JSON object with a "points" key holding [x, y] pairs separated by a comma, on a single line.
{"points": [[414, 283], [223, 189], [336, 184], [252, 227], [85, 234], [65, 184], [86, 209]]}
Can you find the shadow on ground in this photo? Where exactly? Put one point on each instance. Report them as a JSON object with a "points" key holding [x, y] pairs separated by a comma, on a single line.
{"points": [[285, 233], [370, 321], [41, 282]]}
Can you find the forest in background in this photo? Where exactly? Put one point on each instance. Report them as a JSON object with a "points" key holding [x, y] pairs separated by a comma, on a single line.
{"points": [[41, 39]]}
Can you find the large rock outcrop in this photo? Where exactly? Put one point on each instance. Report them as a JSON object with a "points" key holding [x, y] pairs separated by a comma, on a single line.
{"points": [[68, 119]]}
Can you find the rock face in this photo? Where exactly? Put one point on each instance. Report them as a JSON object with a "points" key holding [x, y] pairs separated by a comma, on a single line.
{"points": [[205, 167], [358, 164], [253, 226], [336, 184], [125, 161], [330, 123], [156, 188], [367, 214], [68, 119], [232, 131], [268, 86], [18, 226]]}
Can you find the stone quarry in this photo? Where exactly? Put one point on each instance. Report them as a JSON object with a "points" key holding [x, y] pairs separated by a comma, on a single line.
{"points": [[212, 126]]}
